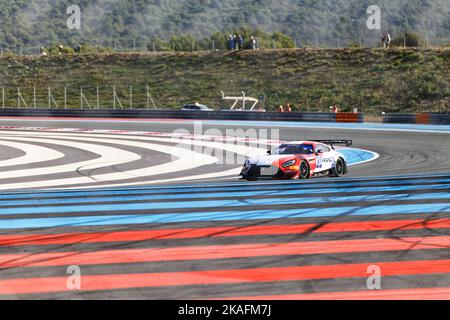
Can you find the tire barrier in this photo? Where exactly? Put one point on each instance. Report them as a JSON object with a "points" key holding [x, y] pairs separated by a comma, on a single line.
{"points": [[419, 118], [177, 114], [349, 117]]}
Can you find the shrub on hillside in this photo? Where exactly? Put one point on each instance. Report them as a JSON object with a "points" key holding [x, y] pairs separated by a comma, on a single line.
{"points": [[408, 39], [220, 41], [59, 50]]}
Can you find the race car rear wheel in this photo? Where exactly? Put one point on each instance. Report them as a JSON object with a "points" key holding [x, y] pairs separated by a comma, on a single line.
{"points": [[304, 170], [339, 169]]}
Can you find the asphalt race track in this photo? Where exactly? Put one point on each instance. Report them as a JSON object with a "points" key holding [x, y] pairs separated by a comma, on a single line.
{"points": [[116, 200]]}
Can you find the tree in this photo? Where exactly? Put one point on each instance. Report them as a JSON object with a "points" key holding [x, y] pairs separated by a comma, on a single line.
{"points": [[36, 23]]}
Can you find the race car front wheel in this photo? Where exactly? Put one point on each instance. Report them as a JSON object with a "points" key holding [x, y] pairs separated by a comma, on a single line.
{"points": [[304, 171]]}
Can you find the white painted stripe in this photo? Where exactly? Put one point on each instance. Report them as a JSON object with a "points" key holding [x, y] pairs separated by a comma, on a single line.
{"points": [[186, 159], [225, 139], [174, 166], [240, 148], [179, 165], [108, 157], [215, 175], [33, 154]]}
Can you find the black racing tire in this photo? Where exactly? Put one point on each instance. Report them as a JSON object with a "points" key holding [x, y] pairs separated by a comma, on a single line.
{"points": [[304, 170], [340, 169], [250, 178]]}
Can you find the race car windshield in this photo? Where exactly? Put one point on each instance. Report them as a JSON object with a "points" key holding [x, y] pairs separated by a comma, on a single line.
{"points": [[294, 149]]}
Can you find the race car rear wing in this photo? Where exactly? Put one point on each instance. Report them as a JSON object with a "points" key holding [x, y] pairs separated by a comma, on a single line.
{"points": [[332, 143]]}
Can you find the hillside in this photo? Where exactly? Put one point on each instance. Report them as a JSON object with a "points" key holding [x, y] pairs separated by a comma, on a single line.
{"points": [[374, 80], [137, 23]]}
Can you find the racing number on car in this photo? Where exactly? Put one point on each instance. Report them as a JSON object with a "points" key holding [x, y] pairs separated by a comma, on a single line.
{"points": [[319, 162]]}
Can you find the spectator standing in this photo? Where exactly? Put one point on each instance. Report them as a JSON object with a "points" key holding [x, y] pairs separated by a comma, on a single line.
{"points": [[386, 40], [236, 42], [43, 52], [241, 42], [280, 109], [253, 40], [334, 109], [231, 42], [288, 108]]}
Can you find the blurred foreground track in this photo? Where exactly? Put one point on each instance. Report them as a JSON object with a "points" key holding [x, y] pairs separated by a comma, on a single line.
{"points": [[286, 240]]}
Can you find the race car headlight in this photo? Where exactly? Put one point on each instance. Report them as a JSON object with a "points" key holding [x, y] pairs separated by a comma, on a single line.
{"points": [[289, 163]]}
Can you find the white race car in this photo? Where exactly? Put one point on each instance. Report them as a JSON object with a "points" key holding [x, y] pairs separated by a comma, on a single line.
{"points": [[298, 160]]}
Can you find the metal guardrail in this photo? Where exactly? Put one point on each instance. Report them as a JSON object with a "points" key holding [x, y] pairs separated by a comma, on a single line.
{"points": [[419, 118], [194, 115]]}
